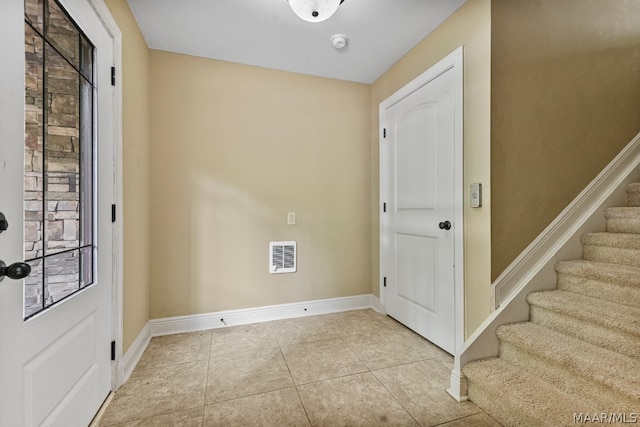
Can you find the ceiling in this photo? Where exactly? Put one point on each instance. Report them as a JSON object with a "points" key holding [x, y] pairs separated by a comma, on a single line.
{"points": [[267, 33]]}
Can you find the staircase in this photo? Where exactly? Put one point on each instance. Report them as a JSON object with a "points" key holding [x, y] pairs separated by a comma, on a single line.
{"points": [[579, 353]]}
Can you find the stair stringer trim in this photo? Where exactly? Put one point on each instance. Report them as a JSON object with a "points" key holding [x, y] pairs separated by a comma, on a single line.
{"points": [[533, 270]]}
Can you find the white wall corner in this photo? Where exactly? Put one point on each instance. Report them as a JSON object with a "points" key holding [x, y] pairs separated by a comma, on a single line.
{"points": [[376, 305], [458, 386], [133, 354]]}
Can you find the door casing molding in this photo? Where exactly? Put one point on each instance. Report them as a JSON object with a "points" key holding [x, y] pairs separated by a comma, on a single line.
{"points": [[455, 61], [117, 326]]}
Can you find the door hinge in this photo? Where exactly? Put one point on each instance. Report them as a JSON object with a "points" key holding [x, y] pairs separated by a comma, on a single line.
{"points": [[113, 213], [384, 132], [113, 350], [384, 282], [384, 207], [113, 76]]}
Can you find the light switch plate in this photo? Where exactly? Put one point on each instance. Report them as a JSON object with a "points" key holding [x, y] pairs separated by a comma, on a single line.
{"points": [[476, 195], [291, 218]]}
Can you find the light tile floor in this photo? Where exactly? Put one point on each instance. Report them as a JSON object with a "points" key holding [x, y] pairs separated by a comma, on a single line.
{"points": [[357, 368]]}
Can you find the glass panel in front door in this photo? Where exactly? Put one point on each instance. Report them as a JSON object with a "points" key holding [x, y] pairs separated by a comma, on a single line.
{"points": [[59, 169]]}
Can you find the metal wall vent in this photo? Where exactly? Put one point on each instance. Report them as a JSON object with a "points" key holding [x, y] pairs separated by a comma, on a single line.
{"points": [[282, 257]]}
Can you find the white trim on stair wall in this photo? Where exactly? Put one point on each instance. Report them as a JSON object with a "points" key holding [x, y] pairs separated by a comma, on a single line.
{"points": [[221, 319], [533, 270]]}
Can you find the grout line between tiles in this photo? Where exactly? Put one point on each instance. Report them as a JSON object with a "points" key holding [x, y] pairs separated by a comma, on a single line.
{"points": [[248, 395], [206, 383], [465, 417], [286, 362], [202, 418], [394, 397], [168, 365], [340, 334], [304, 408], [152, 416], [334, 378]]}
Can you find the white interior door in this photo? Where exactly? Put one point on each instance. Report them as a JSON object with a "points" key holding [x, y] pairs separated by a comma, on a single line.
{"points": [[55, 366], [419, 209]]}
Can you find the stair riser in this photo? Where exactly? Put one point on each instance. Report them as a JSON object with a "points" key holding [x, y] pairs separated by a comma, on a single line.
{"points": [[517, 398], [574, 383], [500, 411], [623, 225], [633, 198], [611, 255], [620, 294], [593, 333]]}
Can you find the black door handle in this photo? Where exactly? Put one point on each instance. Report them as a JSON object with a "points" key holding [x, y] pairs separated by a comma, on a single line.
{"points": [[445, 225], [4, 224], [17, 270]]}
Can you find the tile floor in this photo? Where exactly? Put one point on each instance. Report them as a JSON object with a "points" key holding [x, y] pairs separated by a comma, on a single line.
{"points": [[356, 368]]}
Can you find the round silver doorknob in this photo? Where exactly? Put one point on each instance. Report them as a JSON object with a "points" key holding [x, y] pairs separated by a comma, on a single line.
{"points": [[17, 270], [445, 225]]}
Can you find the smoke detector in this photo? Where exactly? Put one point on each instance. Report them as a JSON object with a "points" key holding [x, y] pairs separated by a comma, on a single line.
{"points": [[339, 41]]}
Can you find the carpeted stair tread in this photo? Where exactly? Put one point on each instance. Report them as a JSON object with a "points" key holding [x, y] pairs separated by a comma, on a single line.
{"points": [[623, 219], [604, 313], [617, 283], [622, 212], [615, 248], [620, 373], [580, 350], [601, 271], [517, 398], [616, 240], [606, 324]]}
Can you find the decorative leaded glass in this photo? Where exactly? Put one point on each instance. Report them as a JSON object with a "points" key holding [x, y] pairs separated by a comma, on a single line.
{"points": [[58, 171]]}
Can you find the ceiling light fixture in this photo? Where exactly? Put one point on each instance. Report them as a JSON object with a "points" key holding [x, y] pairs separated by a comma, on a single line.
{"points": [[315, 10]]}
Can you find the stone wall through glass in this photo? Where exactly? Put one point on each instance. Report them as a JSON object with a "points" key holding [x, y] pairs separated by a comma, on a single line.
{"points": [[58, 171]]}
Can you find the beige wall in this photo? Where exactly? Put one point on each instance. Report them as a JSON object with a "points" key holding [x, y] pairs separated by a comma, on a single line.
{"points": [[565, 101], [235, 148], [469, 26], [551, 95], [136, 172]]}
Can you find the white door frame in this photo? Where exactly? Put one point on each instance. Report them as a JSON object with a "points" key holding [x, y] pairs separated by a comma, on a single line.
{"points": [[452, 61], [118, 230]]}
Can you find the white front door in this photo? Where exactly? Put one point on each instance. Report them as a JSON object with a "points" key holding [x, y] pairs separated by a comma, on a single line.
{"points": [[419, 208], [55, 366]]}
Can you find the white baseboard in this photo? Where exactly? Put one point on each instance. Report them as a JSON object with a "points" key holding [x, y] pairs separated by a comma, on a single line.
{"points": [[199, 322], [132, 356]]}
